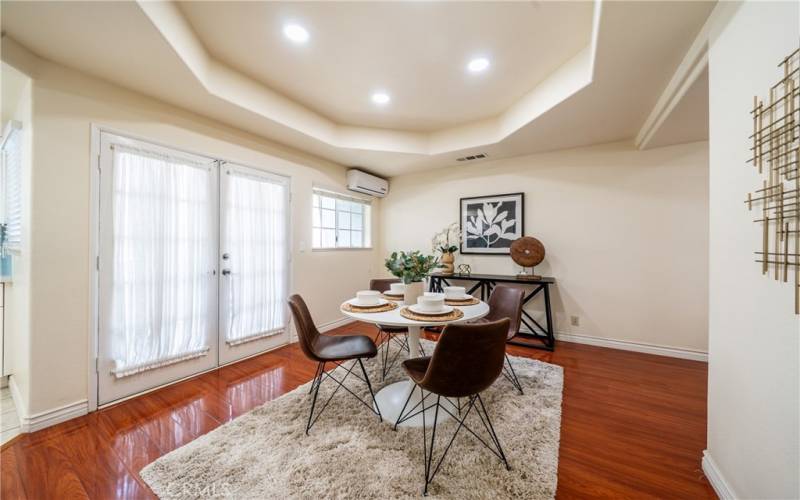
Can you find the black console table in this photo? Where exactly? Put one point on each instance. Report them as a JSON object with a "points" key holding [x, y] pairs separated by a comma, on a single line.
{"points": [[486, 282]]}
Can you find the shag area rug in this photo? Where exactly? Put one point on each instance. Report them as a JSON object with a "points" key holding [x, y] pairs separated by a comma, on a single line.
{"points": [[349, 453]]}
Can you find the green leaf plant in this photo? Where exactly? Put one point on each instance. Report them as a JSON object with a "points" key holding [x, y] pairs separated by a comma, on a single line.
{"points": [[411, 266]]}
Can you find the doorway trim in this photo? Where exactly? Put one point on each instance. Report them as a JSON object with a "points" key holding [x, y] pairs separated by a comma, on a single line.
{"points": [[94, 252]]}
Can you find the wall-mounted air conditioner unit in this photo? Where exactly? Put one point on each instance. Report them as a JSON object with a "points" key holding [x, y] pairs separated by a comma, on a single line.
{"points": [[362, 182]]}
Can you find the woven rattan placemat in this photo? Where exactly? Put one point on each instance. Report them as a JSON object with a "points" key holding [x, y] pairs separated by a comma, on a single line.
{"points": [[371, 309], [453, 315], [468, 302], [398, 298]]}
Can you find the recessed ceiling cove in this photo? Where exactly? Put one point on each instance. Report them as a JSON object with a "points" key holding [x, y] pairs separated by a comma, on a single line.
{"points": [[560, 74], [416, 51]]}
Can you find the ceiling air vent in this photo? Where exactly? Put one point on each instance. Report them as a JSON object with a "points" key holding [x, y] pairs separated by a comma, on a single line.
{"points": [[479, 156]]}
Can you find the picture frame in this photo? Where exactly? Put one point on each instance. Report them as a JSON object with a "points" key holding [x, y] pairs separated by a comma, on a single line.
{"points": [[489, 224]]}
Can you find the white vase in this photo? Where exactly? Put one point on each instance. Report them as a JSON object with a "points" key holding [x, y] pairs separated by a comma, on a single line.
{"points": [[413, 290]]}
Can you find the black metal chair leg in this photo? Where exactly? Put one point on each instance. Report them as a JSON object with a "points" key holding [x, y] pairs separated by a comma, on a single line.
{"points": [[317, 382], [511, 375], [432, 469], [369, 386], [387, 360], [424, 441], [340, 384], [314, 380], [493, 433], [400, 415], [378, 337], [429, 458], [385, 356], [402, 343]]}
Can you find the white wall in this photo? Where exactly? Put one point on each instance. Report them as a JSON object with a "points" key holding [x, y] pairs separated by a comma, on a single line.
{"points": [[18, 105], [625, 233], [66, 104], [754, 335]]}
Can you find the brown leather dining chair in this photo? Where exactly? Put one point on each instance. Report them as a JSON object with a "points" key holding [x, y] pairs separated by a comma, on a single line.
{"points": [[334, 349], [467, 359], [388, 334], [506, 302]]}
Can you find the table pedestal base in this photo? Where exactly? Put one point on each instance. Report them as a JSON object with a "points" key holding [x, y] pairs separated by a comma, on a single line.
{"points": [[391, 399]]}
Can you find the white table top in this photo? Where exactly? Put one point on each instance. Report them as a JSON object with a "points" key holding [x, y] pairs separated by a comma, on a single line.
{"points": [[393, 317]]}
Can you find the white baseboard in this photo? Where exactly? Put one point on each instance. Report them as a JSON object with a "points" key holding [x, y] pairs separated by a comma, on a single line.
{"points": [[332, 325], [69, 411], [722, 488], [624, 345], [54, 416], [47, 418], [627, 345], [323, 327]]}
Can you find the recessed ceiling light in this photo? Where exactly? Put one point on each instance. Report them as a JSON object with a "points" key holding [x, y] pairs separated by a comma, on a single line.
{"points": [[478, 65], [381, 98], [295, 33]]}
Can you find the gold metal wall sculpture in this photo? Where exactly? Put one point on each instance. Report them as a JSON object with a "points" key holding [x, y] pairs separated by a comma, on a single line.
{"points": [[776, 155]]}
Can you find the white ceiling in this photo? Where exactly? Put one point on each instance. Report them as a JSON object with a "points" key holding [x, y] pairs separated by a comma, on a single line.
{"points": [[416, 51], [242, 72]]}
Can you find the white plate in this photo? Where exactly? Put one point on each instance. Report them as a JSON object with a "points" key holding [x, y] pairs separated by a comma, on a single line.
{"points": [[358, 303], [418, 310], [466, 296]]}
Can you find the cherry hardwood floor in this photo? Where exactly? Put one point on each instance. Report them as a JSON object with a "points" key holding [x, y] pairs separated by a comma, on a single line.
{"points": [[633, 426]]}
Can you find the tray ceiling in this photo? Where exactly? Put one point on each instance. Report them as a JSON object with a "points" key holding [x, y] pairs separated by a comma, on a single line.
{"points": [[415, 51], [562, 74]]}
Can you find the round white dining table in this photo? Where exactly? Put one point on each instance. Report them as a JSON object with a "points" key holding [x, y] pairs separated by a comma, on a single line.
{"points": [[391, 398]]}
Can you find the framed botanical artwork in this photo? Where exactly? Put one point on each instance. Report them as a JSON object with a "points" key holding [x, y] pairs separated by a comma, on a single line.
{"points": [[489, 224]]}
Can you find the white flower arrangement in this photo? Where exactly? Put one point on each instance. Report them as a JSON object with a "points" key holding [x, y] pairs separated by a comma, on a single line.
{"points": [[447, 240]]}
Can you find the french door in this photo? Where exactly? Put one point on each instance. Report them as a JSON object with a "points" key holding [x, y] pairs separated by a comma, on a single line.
{"points": [[192, 268], [254, 261]]}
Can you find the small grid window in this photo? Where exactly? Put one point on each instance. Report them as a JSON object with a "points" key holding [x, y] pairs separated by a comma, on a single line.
{"points": [[339, 221]]}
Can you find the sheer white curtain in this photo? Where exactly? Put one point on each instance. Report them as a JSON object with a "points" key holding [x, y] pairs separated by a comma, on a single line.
{"points": [[164, 253], [255, 238]]}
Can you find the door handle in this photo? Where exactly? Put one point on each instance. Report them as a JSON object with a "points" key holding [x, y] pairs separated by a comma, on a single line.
{"points": [[226, 272]]}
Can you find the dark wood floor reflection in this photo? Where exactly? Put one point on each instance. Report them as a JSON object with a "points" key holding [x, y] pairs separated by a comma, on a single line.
{"points": [[633, 426]]}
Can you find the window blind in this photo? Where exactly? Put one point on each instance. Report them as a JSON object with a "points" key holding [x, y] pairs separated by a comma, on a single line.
{"points": [[12, 178]]}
